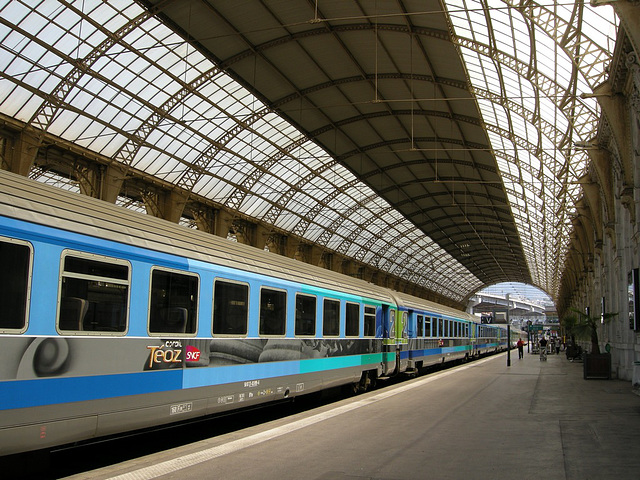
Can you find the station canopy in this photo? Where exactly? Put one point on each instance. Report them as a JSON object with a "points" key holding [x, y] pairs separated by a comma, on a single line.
{"points": [[435, 141]]}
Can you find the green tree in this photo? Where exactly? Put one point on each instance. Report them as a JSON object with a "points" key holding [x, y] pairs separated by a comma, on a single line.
{"points": [[585, 327]]}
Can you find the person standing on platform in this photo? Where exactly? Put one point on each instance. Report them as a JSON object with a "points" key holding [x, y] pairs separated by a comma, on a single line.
{"points": [[520, 346], [543, 348]]}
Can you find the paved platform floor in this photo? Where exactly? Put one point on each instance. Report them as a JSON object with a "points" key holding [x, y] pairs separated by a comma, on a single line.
{"points": [[483, 420]]}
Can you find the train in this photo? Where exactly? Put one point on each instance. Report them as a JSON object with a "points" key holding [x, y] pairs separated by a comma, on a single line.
{"points": [[114, 321]]}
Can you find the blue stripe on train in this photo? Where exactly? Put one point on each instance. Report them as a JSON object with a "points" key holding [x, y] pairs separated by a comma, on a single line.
{"points": [[439, 351], [202, 377], [49, 391]]}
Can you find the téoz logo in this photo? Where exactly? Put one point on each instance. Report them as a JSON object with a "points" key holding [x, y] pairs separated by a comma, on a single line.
{"points": [[193, 354]]}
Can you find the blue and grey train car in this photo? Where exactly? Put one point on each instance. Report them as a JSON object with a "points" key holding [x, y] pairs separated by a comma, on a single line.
{"points": [[490, 338], [113, 320], [493, 338], [435, 333]]}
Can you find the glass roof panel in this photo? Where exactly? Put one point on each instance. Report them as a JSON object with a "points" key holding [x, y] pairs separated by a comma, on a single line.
{"points": [[287, 221], [214, 189]]}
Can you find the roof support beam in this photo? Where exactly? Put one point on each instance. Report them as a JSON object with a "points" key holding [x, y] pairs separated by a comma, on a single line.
{"points": [[22, 152]]}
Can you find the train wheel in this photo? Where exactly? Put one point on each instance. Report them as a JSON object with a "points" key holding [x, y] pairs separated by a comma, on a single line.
{"points": [[363, 384], [373, 380], [357, 387], [351, 389]]}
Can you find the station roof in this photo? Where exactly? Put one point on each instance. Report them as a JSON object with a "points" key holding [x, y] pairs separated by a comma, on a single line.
{"points": [[433, 140]]}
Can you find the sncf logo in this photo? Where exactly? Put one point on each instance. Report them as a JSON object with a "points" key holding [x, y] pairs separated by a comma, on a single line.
{"points": [[193, 354]]}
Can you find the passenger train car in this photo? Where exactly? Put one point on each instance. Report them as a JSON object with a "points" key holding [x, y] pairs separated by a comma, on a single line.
{"points": [[113, 320], [437, 334]]}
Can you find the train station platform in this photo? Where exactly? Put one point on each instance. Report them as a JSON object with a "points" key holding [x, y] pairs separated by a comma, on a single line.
{"points": [[482, 420]]}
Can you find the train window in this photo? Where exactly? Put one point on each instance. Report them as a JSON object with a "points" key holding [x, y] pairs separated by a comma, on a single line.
{"points": [[369, 321], [94, 294], [352, 324], [273, 312], [174, 302], [427, 326], [305, 315], [420, 325], [15, 278], [330, 318], [230, 308]]}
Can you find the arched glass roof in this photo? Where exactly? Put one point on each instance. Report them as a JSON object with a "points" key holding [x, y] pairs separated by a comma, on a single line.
{"points": [[529, 66], [166, 88]]}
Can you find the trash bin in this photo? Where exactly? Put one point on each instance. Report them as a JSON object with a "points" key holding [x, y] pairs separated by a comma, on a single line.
{"points": [[636, 376]]}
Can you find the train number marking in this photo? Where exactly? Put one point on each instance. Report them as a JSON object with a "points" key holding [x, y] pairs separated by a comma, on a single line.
{"points": [[181, 408], [226, 399]]}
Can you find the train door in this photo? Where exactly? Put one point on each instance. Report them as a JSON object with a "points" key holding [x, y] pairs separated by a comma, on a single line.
{"points": [[473, 338], [402, 341], [395, 344], [388, 340]]}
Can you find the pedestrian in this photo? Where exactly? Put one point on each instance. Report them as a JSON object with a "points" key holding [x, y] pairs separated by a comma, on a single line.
{"points": [[520, 346], [543, 348], [558, 344]]}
